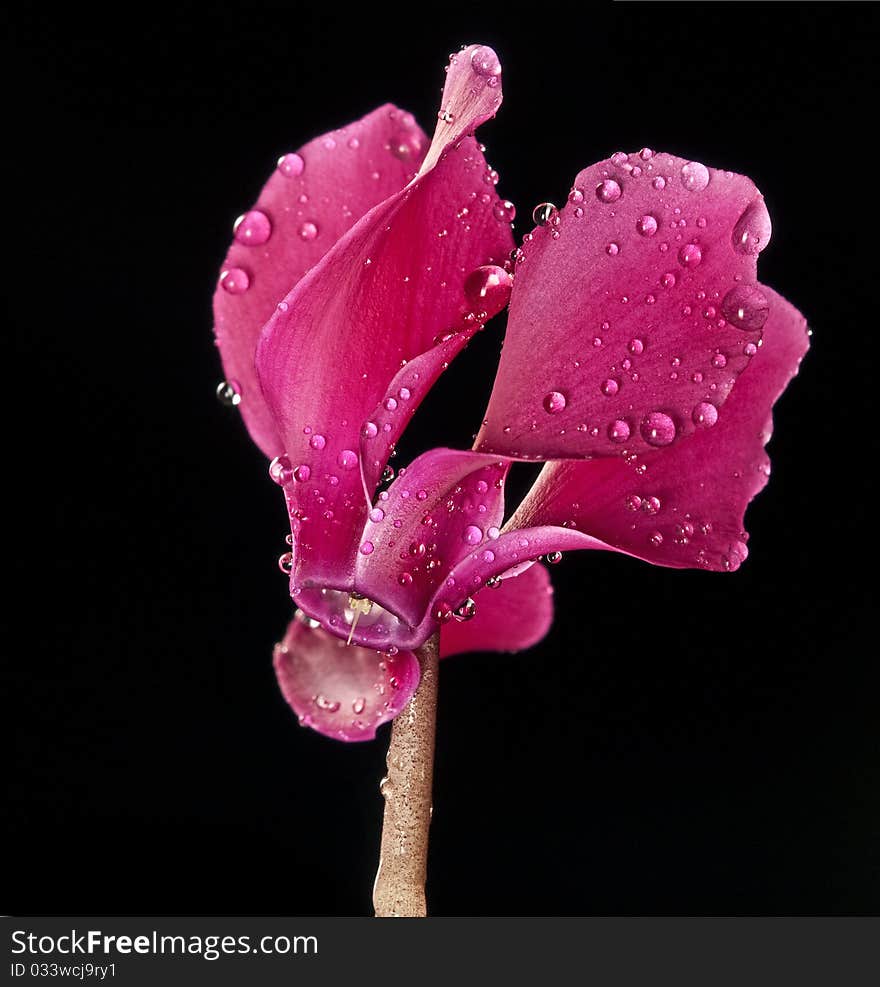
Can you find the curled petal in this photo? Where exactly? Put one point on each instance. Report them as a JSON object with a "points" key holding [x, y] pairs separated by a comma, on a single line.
{"points": [[342, 692], [312, 198], [362, 337], [446, 507], [632, 306], [684, 506], [512, 616]]}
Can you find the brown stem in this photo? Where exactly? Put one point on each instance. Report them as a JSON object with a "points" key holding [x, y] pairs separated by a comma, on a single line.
{"points": [[403, 858]]}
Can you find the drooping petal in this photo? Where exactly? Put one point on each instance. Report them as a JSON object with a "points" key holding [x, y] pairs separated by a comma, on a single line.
{"points": [[365, 333], [683, 506], [511, 617], [314, 196], [631, 307], [342, 692], [447, 506]]}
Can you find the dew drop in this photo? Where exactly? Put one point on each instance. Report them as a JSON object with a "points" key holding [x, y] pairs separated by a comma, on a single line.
{"points": [[467, 611], [636, 347], [235, 280], [705, 414], [347, 459], [612, 249], [377, 515], [366, 548], [633, 502], [657, 429], [554, 402], [646, 225], [302, 473], [472, 535], [504, 211], [390, 404], [405, 579], [369, 430], [746, 307], [554, 558], [610, 387], [229, 393], [308, 231], [487, 289], [359, 705], [291, 165], [317, 441], [252, 228], [608, 191], [285, 563], [619, 431], [281, 470], [752, 230], [485, 62], [694, 176], [656, 539], [690, 255], [545, 214]]}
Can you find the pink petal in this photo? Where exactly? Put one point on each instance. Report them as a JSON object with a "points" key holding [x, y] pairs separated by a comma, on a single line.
{"points": [[342, 692], [312, 198], [446, 507], [364, 335], [511, 617], [631, 307], [682, 506]]}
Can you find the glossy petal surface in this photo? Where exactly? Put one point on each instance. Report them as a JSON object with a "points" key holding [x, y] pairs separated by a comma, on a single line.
{"points": [[342, 692], [364, 335], [630, 308], [444, 508], [511, 617], [682, 506], [312, 198]]}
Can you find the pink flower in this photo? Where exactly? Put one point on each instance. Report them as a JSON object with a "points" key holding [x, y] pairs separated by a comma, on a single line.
{"points": [[642, 359]]}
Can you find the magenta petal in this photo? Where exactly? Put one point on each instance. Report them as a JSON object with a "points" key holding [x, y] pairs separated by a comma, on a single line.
{"points": [[444, 508], [312, 198], [342, 692], [682, 506], [631, 307], [511, 617]]}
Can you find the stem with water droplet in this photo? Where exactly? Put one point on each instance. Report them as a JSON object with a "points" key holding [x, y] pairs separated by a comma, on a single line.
{"points": [[399, 890]]}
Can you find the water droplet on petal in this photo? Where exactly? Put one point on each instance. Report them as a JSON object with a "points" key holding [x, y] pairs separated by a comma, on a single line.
{"points": [[281, 470], [235, 280], [636, 347], [308, 231], [366, 548], [545, 214], [694, 176], [608, 191], [229, 393], [487, 289], [467, 611], [646, 225], [347, 459], [619, 431], [657, 429], [252, 228], [752, 230], [485, 62], [285, 563], [554, 402], [690, 255], [705, 414], [504, 211], [291, 165], [610, 387], [612, 249], [472, 535], [317, 441], [302, 473], [554, 558], [746, 307]]}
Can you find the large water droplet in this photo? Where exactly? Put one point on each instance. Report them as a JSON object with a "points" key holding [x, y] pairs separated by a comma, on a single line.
{"points": [[229, 393], [752, 230], [302, 473], [487, 289], [705, 414], [347, 459], [308, 231], [467, 611], [252, 228], [619, 431], [544, 214], [472, 535], [554, 402], [690, 255], [646, 225], [485, 62], [285, 563], [291, 165], [746, 307], [281, 470], [610, 387], [608, 191], [317, 441], [694, 176], [235, 280], [657, 429], [504, 211]]}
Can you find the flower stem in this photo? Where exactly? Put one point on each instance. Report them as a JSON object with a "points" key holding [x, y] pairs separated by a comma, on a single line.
{"points": [[399, 890]]}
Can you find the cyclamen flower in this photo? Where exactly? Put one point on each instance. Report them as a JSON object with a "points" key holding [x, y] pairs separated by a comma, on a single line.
{"points": [[642, 359]]}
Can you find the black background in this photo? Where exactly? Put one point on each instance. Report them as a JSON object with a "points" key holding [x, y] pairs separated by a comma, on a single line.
{"points": [[680, 743]]}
